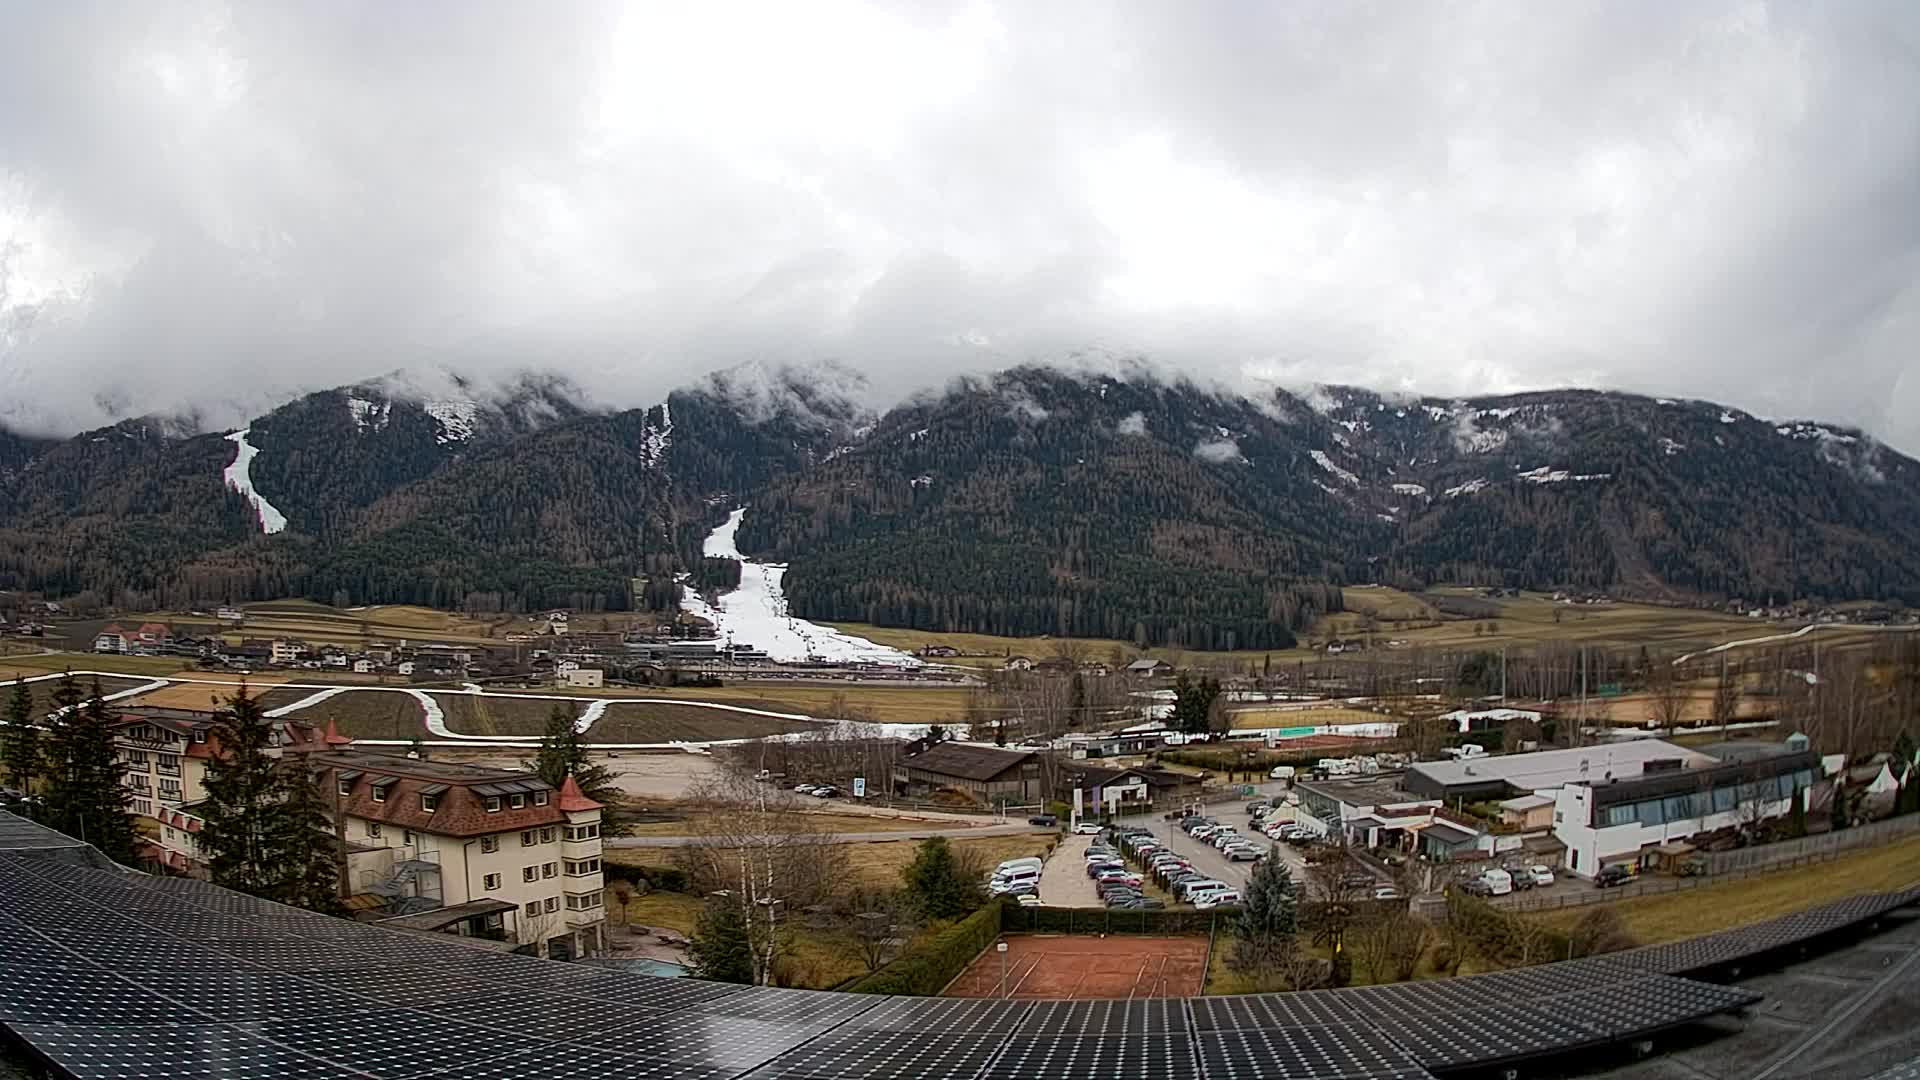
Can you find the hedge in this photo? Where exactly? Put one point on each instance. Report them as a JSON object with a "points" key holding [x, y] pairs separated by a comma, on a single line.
{"points": [[664, 878], [927, 970]]}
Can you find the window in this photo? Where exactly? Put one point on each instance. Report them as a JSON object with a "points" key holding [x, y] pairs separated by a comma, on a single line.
{"points": [[1677, 807], [137, 759], [493, 804], [144, 809], [407, 837], [583, 832], [582, 867], [526, 838], [139, 782], [346, 787], [491, 881], [583, 902], [169, 789], [169, 833], [518, 802], [489, 845], [553, 904], [533, 908], [429, 803], [1722, 800], [529, 873], [373, 829], [200, 735], [379, 793], [1620, 815], [539, 798], [546, 835], [1649, 813], [548, 870]]}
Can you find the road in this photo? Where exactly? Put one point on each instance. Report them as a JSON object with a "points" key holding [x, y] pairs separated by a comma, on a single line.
{"points": [[846, 837]]}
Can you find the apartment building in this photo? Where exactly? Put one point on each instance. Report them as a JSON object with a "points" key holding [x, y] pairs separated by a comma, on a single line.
{"points": [[473, 850]]}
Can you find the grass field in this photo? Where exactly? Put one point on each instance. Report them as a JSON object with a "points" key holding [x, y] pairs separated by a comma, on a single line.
{"points": [[1038, 648], [41, 693], [881, 704], [86, 661], [365, 714], [199, 695], [1691, 912], [876, 864]]}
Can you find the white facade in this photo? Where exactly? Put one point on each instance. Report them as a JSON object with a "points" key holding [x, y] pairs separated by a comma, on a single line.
{"points": [[1591, 847], [579, 678]]}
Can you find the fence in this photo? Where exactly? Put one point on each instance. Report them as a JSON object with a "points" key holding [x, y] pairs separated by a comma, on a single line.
{"points": [[1089, 920], [1737, 866]]}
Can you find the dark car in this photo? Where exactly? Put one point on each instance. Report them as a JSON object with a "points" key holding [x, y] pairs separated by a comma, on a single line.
{"points": [[1609, 876], [1476, 887], [1043, 819]]}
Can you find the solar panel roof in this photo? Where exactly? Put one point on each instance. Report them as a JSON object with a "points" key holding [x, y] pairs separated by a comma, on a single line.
{"points": [[109, 973]]}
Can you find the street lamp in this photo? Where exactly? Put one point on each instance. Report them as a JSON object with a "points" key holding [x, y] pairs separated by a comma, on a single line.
{"points": [[1001, 948]]}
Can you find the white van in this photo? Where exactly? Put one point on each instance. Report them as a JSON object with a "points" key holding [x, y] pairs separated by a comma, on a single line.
{"points": [[1499, 882], [1281, 772], [1030, 875], [1029, 863]]}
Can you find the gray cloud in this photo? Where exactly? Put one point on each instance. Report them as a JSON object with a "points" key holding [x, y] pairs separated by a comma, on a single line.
{"points": [[207, 207]]}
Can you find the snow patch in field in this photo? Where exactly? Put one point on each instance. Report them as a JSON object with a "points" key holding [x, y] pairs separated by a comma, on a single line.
{"points": [[1320, 457], [240, 477], [1409, 489], [309, 701], [1467, 488], [456, 419], [1436, 412], [756, 612]]}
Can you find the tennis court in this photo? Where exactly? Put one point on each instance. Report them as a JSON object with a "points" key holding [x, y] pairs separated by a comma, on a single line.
{"points": [[1060, 966]]}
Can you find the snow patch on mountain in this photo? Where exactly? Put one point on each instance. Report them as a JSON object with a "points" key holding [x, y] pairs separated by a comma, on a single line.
{"points": [[1320, 457], [1669, 447], [1218, 451], [1474, 441], [1409, 489], [1814, 431], [756, 612], [1546, 474], [1467, 488], [456, 419], [239, 476], [1728, 418], [655, 441], [1437, 413], [368, 415]]}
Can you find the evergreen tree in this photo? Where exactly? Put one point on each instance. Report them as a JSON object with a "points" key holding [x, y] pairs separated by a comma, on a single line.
{"points": [[719, 945], [20, 741], [1193, 703], [1269, 918], [937, 885], [562, 754], [84, 796], [266, 830], [1838, 808]]}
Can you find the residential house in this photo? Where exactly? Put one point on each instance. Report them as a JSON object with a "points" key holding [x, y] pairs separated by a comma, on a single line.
{"points": [[288, 651], [111, 639], [363, 666], [1017, 663], [988, 774], [580, 678], [1148, 667]]}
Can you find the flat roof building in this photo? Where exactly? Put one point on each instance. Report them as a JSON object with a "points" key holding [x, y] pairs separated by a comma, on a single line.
{"points": [[1500, 776]]}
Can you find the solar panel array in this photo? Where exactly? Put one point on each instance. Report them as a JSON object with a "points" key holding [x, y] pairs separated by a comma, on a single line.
{"points": [[109, 973]]}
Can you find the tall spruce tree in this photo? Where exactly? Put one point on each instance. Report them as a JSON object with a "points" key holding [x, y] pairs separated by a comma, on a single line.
{"points": [[562, 754], [266, 830], [720, 947], [20, 741], [1269, 919], [84, 796], [937, 885]]}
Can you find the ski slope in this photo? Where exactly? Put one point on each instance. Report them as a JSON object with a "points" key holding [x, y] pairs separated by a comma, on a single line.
{"points": [[756, 613], [240, 478]]}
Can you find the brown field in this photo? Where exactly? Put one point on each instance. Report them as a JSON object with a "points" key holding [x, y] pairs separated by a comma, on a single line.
{"points": [[199, 695], [881, 704], [41, 693], [1048, 967], [836, 823], [368, 714], [1314, 717], [151, 666], [1106, 649], [623, 721]]}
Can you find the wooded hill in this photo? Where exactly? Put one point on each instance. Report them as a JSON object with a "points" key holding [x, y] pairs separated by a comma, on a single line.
{"points": [[1029, 502]]}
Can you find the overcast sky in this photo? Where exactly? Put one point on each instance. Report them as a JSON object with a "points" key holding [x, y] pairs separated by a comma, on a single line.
{"points": [[204, 208]]}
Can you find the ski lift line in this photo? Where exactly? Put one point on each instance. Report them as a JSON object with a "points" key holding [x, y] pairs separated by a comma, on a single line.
{"points": [[1802, 632]]}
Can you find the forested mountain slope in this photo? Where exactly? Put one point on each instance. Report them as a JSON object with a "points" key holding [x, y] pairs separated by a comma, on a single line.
{"points": [[1030, 502]]}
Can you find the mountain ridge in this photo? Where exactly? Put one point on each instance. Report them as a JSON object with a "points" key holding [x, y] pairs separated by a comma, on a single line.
{"points": [[1032, 500]]}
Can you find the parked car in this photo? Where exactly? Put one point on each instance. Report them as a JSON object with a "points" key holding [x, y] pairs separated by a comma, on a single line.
{"points": [[1476, 887], [1217, 898], [1617, 874], [1385, 892], [1242, 853], [1047, 820], [826, 791], [1499, 882], [1542, 875], [1031, 899], [1086, 828]]}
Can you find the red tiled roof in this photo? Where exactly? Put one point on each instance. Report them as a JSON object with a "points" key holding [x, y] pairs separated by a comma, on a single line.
{"points": [[459, 811], [334, 738], [572, 799]]}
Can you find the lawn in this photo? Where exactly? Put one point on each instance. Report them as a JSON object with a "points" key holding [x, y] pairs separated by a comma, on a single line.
{"points": [[998, 648], [86, 661], [367, 714], [877, 864], [1692, 912], [815, 960], [41, 693]]}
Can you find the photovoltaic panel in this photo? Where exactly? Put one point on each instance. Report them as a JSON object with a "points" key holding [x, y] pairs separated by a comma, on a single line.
{"points": [[1152, 1015], [1309, 1008], [577, 1063], [813, 1008], [1166, 1054], [1328, 1052], [722, 1043], [970, 1016], [35, 994], [390, 1042], [886, 1054], [173, 1052], [1461, 1038]]}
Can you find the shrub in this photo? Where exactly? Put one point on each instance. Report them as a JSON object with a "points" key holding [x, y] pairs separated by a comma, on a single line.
{"points": [[927, 970], [656, 877]]}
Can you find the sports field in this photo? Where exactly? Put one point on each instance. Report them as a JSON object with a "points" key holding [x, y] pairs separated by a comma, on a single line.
{"points": [[1055, 967]]}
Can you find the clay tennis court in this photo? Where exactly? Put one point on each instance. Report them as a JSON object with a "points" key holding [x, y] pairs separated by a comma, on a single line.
{"points": [[1058, 966]]}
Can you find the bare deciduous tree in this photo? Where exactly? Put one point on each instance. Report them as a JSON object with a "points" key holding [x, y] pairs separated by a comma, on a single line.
{"points": [[1390, 944], [750, 842], [1667, 693]]}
